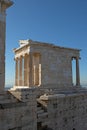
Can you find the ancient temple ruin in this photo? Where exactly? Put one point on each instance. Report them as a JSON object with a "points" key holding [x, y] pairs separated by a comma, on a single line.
{"points": [[45, 65], [43, 96]]}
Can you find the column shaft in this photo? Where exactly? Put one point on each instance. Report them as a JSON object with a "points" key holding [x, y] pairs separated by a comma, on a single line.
{"points": [[25, 70], [30, 70], [20, 72], [2, 54], [16, 72], [77, 72], [4, 4]]}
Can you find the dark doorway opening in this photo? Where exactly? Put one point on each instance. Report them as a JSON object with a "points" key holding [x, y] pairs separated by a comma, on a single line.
{"points": [[74, 129]]}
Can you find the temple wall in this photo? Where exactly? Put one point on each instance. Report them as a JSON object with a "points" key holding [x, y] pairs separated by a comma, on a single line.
{"points": [[56, 65]]}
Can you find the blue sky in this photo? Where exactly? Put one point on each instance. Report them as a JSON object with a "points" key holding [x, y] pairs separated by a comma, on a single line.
{"points": [[62, 22]]}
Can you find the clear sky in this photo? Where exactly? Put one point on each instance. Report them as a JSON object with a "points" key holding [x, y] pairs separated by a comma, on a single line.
{"points": [[62, 22]]}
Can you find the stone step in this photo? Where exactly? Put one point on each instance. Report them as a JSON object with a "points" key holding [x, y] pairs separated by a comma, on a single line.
{"points": [[44, 119], [6, 97], [39, 108], [40, 111], [44, 114], [8, 101], [44, 123], [43, 103]]}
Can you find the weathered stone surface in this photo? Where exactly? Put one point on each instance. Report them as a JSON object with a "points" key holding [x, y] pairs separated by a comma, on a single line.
{"points": [[43, 96], [18, 114], [4, 4], [67, 111]]}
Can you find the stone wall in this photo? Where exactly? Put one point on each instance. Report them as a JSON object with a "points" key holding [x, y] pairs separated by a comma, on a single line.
{"points": [[19, 115], [67, 112]]}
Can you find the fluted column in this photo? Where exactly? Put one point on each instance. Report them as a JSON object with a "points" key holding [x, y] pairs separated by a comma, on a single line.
{"points": [[77, 72], [4, 4], [20, 71], [30, 70], [16, 72], [25, 70]]}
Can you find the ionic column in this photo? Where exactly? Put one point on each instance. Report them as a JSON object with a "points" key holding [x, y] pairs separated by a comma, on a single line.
{"points": [[30, 70], [4, 4], [20, 71], [77, 72], [25, 70], [16, 72]]}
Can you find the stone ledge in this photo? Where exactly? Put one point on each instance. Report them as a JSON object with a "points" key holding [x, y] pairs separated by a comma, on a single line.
{"points": [[11, 105]]}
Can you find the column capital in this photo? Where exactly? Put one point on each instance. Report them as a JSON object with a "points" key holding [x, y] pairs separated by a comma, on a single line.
{"points": [[4, 4], [76, 57], [18, 57], [26, 54]]}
